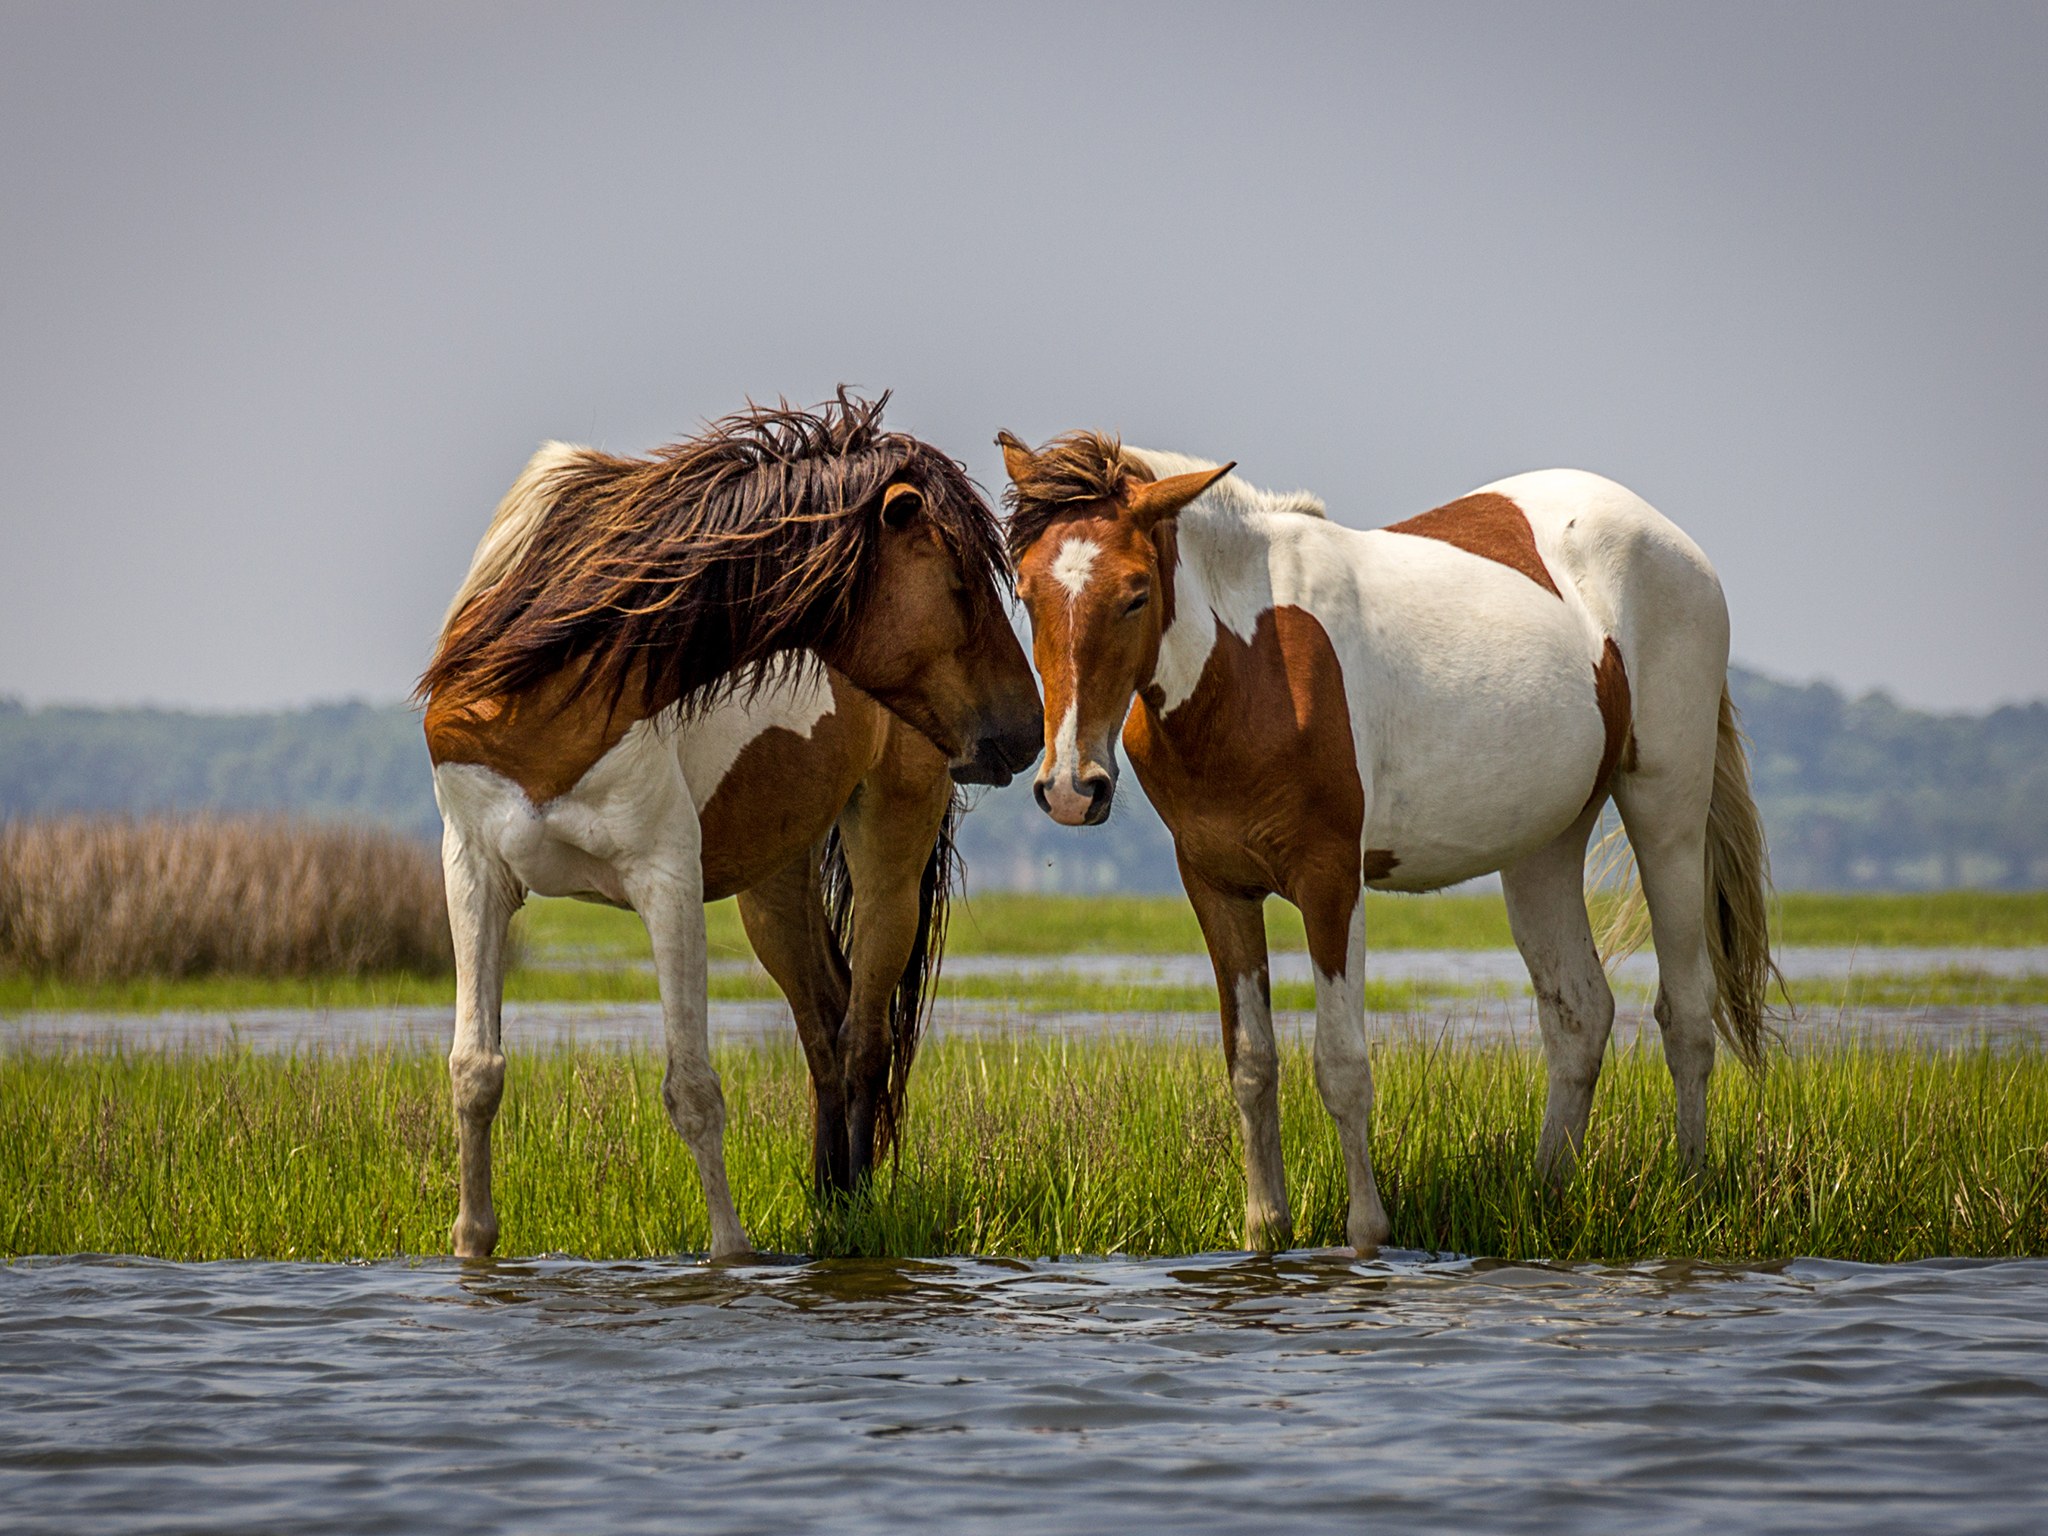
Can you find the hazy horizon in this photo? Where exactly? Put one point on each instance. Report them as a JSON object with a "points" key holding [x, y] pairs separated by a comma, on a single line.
{"points": [[289, 295]]}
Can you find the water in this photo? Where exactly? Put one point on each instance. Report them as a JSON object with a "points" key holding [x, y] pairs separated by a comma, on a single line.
{"points": [[1221, 1393], [536, 1026]]}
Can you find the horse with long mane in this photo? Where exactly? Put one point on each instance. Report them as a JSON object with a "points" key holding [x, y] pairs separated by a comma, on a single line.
{"points": [[1320, 709], [670, 679]]}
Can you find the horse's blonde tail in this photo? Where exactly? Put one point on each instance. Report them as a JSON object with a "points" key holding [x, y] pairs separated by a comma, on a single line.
{"points": [[1739, 899], [1611, 873], [515, 522], [1738, 873]]}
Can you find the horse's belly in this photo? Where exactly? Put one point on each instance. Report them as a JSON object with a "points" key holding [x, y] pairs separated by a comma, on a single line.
{"points": [[1470, 776]]}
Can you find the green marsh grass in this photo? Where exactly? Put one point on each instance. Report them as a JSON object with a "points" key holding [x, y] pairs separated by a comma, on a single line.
{"points": [[1023, 1146], [1026, 992], [1030, 992], [1014, 924], [581, 952]]}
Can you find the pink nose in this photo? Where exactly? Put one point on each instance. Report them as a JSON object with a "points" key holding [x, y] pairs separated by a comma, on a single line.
{"points": [[1082, 800]]}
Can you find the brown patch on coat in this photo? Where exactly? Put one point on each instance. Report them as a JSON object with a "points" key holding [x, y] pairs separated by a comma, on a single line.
{"points": [[1166, 540], [1256, 775], [785, 789], [1488, 525], [544, 739], [1610, 689], [1379, 863]]}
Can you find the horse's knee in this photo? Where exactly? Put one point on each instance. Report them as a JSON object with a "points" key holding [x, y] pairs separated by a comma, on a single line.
{"points": [[1254, 1076], [694, 1100], [864, 1060], [1343, 1075], [477, 1081]]}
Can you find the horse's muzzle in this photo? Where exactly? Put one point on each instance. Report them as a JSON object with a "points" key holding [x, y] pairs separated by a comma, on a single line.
{"points": [[1000, 756], [1083, 801]]}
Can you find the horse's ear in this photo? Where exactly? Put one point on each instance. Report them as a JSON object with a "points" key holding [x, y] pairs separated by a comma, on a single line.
{"points": [[901, 504], [1156, 500], [1017, 459]]}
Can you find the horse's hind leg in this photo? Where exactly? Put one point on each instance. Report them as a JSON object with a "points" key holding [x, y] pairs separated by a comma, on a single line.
{"points": [[786, 923], [1546, 903], [1666, 817], [482, 895]]}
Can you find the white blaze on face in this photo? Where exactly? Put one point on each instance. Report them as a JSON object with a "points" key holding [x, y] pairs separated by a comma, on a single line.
{"points": [[1070, 567], [1066, 746], [1059, 780]]}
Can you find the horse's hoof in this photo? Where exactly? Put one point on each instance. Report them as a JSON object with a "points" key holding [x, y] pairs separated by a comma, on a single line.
{"points": [[1366, 1243], [1268, 1236], [473, 1239]]}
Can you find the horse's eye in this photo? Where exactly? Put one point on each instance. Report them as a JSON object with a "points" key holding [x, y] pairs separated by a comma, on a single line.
{"points": [[1136, 603]]}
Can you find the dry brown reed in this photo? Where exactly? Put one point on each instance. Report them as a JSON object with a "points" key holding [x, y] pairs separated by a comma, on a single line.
{"points": [[98, 899]]}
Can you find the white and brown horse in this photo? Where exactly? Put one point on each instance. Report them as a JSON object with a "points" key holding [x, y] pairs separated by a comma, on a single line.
{"points": [[1320, 709], [665, 680]]}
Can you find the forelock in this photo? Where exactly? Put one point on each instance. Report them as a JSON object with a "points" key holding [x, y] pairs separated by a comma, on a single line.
{"points": [[1069, 473]]}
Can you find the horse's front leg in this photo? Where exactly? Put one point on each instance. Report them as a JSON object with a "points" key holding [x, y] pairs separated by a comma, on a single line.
{"points": [[890, 829], [669, 895], [482, 895], [1234, 928], [1334, 916]]}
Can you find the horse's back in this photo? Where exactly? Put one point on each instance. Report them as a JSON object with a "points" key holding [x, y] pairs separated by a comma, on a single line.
{"points": [[1608, 540]]}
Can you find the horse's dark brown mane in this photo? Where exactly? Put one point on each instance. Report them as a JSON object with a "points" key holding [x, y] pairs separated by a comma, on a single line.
{"points": [[697, 563], [1067, 473]]}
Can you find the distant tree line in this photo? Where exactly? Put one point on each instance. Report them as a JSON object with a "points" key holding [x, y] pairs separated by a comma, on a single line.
{"points": [[336, 762], [1864, 793], [1857, 793]]}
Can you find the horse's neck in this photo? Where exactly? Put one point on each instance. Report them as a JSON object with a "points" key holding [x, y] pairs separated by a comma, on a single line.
{"points": [[1222, 579]]}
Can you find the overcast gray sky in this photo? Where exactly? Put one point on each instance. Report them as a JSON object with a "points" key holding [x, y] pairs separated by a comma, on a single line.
{"points": [[288, 294]]}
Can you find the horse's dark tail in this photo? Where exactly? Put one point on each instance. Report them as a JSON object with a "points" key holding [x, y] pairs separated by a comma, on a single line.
{"points": [[911, 1003]]}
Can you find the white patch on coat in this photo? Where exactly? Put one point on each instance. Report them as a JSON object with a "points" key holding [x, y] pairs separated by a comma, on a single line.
{"points": [[1216, 578], [1343, 1063], [1072, 565]]}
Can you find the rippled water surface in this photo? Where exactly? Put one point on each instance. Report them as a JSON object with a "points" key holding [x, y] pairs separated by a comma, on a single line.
{"points": [[1211, 1393]]}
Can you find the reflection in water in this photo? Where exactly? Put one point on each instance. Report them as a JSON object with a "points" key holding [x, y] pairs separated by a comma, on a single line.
{"points": [[1209, 1393]]}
